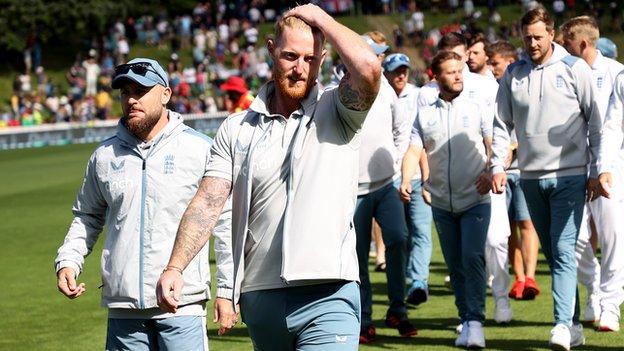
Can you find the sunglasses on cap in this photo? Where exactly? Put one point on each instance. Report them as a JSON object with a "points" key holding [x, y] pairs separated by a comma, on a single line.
{"points": [[139, 68]]}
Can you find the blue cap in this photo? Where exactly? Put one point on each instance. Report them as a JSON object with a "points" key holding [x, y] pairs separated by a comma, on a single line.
{"points": [[146, 72], [377, 48], [395, 61], [607, 48]]}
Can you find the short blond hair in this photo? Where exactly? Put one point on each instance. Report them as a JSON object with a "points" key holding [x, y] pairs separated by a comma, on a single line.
{"points": [[377, 36], [581, 27], [293, 22]]}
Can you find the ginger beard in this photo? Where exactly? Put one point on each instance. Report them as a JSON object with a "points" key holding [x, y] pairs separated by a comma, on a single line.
{"points": [[292, 85]]}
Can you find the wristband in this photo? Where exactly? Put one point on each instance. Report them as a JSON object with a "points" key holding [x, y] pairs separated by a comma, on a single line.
{"points": [[173, 268]]}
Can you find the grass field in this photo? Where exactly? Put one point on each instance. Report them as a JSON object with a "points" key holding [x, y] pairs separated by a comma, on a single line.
{"points": [[38, 188]]}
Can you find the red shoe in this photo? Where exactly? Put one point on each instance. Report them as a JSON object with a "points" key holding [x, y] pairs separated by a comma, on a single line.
{"points": [[367, 335], [402, 324], [531, 289], [517, 290]]}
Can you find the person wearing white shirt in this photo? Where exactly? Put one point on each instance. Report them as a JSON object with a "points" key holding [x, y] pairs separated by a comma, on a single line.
{"points": [[604, 284], [417, 211]]}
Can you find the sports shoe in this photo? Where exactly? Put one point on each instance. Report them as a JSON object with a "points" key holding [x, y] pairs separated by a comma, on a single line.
{"points": [[577, 338], [592, 310], [563, 337], [502, 310], [402, 324], [462, 339], [560, 338], [367, 334], [418, 293], [447, 282], [609, 322], [459, 328], [476, 338], [531, 289], [517, 290]]}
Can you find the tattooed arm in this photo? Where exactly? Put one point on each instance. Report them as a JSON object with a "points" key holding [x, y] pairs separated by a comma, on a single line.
{"points": [[359, 87], [195, 228]]}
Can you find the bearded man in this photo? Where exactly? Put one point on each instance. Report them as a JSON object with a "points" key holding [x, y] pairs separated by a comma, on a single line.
{"points": [[138, 183], [291, 164]]}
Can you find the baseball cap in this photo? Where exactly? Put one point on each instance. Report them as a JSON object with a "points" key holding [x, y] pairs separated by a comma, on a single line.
{"points": [[607, 48], [143, 71], [394, 61], [377, 48], [234, 83]]}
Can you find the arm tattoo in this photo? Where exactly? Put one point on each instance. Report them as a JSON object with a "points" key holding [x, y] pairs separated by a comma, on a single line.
{"points": [[199, 219], [358, 97]]}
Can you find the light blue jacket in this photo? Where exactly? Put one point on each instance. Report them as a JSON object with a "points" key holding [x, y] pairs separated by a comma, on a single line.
{"points": [[554, 111], [140, 195]]}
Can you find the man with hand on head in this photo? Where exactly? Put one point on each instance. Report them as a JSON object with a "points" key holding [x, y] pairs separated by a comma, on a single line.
{"points": [[138, 183], [291, 164]]}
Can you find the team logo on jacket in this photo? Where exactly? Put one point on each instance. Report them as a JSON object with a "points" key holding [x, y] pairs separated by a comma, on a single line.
{"points": [[599, 82], [169, 165], [465, 121], [559, 82], [471, 94], [117, 167]]}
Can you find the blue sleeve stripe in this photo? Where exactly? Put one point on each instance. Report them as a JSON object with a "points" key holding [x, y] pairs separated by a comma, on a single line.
{"points": [[570, 60]]}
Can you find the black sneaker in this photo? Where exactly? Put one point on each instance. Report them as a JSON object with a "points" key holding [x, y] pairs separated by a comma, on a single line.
{"points": [[402, 324], [367, 334], [417, 296]]}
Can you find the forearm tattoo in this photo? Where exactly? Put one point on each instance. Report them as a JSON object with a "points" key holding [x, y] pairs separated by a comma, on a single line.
{"points": [[356, 97], [200, 218]]}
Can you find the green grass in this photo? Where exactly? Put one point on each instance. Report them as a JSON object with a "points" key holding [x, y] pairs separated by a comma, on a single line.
{"points": [[38, 188]]}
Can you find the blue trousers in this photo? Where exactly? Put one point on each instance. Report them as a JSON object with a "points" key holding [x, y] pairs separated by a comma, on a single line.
{"points": [[556, 206], [305, 318], [185, 333], [418, 217], [386, 207], [462, 238]]}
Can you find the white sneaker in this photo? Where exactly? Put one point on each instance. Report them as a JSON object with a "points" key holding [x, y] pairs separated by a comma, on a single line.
{"points": [[476, 338], [560, 338], [609, 322], [502, 310], [447, 282], [592, 310], [576, 335], [462, 339], [459, 328]]}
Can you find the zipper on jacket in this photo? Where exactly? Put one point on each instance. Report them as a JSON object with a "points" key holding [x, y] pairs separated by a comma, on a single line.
{"points": [[142, 232], [448, 171]]}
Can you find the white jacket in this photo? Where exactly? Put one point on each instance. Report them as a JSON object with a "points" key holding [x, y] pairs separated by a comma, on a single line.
{"points": [[141, 200]]}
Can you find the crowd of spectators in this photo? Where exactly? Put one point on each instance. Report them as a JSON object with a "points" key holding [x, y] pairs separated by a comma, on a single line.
{"points": [[223, 42]]}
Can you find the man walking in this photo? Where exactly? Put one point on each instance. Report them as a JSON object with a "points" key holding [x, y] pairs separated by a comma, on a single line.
{"points": [[138, 183], [455, 132], [291, 164], [553, 158]]}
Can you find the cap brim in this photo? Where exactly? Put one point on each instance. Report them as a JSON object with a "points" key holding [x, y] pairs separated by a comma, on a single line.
{"points": [[379, 48], [394, 67], [123, 79]]}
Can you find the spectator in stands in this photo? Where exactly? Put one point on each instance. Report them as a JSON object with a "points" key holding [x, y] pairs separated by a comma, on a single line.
{"points": [[237, 96]]}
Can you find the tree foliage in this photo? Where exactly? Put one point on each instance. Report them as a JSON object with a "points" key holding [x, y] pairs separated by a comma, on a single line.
{"points": [[64, 20]]}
